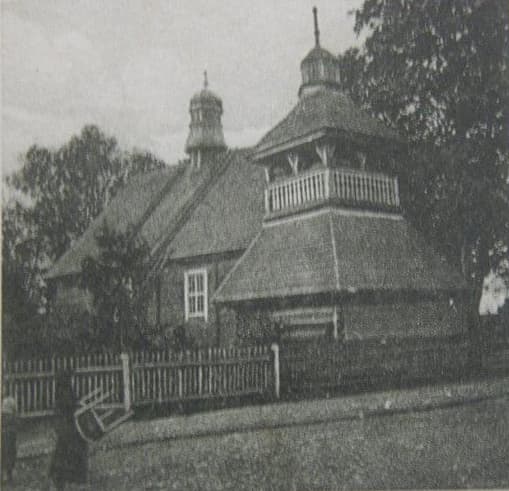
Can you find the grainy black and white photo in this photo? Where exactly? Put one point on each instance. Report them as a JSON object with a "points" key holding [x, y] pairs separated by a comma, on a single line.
{"points": [[255, 244]]}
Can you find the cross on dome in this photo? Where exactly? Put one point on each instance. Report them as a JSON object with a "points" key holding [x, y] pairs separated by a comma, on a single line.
{"points": [[317, 31], [320, 68]]}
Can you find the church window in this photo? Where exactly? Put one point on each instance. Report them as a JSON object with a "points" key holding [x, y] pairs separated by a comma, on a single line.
{"points": [[196, 294]]}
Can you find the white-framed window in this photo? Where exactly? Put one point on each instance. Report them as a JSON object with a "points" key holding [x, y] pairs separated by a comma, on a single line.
{"points": [[196, 294]]}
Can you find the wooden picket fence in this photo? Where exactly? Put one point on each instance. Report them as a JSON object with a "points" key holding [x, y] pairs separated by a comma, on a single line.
{"points": [[329, 365], [33, 381], [495, 352], [166, 376], [152, 377], [143, 378]]}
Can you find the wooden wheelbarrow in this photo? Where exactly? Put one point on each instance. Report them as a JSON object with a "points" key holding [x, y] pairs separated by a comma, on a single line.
{"points": [[93, 420]]}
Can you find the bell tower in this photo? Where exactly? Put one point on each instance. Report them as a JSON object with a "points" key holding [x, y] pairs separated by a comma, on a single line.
{"points": [[205, 137], [326, 152]]}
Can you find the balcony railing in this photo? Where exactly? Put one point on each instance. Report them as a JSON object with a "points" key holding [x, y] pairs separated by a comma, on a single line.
{"points": [[347, 186]]}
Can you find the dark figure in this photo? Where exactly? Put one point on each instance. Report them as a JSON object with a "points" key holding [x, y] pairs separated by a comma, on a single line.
{"points": [[8, 434], [69, 463]]}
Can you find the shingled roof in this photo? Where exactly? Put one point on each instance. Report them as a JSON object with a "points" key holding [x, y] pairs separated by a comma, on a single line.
{"points": [[180, 211], [321, 111], [228, 217], [125, 210], [336, 251]]}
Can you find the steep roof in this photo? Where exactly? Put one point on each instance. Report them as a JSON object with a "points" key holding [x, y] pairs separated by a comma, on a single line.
{"points": [[336, 251], [228, 217], [321, 111], [172, 204], [126, 209]]}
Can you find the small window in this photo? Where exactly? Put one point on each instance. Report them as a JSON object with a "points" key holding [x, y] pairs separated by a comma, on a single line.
{"points": [[195, 294]]}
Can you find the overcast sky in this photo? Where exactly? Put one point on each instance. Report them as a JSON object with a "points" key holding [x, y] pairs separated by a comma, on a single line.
{"points": [[131, 66]]}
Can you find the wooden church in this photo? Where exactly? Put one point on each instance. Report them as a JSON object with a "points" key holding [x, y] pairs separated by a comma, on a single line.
{"points": [[303, 232]]}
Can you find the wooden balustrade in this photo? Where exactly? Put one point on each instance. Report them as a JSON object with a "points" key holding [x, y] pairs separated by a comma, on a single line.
{"points": [[348, 185]]}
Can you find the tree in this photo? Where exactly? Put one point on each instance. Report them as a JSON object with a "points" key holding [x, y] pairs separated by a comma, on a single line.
{"points": [[19, 308], [115, 280], [438, 71], [67, 188], [54, 197]]}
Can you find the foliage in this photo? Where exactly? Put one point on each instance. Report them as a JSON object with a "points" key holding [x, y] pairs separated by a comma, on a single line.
{"points": [[20, 269], [256, 326], [67, 188], [438, 71], [54, 197], [115, 280], [19, 254], [181, 340]]}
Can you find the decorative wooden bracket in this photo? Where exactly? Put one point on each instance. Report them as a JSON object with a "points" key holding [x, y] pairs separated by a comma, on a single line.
{"points": [[325, 151], [293, 160]]}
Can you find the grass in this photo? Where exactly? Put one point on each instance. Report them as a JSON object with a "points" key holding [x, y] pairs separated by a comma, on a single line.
{"points": [[465, 446]]}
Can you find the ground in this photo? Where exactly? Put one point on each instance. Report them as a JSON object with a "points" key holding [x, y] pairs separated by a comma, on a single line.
{"points": [[463, 446]]}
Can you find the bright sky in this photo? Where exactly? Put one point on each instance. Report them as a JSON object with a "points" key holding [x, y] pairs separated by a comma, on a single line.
{"points": [[131, 66]]}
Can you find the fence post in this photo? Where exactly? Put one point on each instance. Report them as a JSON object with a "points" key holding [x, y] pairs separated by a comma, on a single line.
{"points": [[200, 373], [53, 381], [126, 378], [275, 349]]}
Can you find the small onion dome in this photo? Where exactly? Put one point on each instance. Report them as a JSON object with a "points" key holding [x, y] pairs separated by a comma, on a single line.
{"points": [[206, 97], [319, 68], [205, 130], [318, 53]]}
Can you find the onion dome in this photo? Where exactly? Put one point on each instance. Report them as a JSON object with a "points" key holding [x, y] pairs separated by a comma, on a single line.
{"points": [[205, 95], [319, 68], [205, 130]]}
